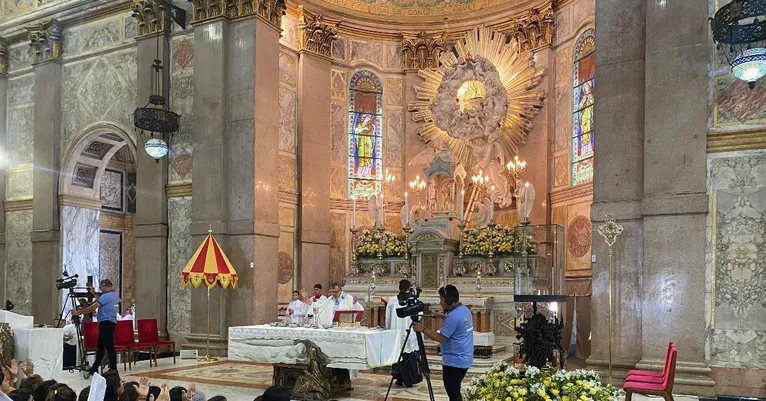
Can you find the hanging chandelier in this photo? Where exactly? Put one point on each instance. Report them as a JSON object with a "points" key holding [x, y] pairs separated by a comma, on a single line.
{"points": [[155, 123], [739, 31]]}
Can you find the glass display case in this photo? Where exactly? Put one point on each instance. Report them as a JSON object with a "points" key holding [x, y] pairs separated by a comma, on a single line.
{"points": [[539, 260]]}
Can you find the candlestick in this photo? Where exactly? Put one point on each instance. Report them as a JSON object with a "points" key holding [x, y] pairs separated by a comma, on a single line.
{"points": [[381, 211], [406, 211], [492, 201], [353, 213], [462, 200]]}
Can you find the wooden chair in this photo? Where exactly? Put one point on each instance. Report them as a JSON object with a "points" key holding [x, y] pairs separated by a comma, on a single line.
{"points": [[650, 376], [148, 334], [663, 389]]}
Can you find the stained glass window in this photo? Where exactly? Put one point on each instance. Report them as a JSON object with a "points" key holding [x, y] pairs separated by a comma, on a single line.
{"points": [[582, 120], [365, 136]]}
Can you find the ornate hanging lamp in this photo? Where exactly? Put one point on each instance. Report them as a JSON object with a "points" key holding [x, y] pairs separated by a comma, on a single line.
{"points": [[739, 31], [155, 123]]}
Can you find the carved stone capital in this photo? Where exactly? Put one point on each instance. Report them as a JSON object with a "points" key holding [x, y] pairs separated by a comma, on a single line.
{"points": [[45, 39], [151, 17], [422, 50], [270, 11], [315, 34], [210, 9], [534, 30], [3, 58]]}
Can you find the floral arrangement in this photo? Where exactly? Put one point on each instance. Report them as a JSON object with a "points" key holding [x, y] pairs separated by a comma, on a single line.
{"points": [[476, 242], [368, 244], [504, 382]]}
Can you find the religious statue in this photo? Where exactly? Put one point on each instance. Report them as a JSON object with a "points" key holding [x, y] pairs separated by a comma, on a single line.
{"points": [[376, 207], [482, 214], [6, 344], [524, 201], [431, 191], [316, 382]]}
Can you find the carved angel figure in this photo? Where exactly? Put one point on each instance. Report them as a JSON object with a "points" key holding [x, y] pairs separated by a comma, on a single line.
{"points": [[525, 201], [482, 213], [372, 209]]}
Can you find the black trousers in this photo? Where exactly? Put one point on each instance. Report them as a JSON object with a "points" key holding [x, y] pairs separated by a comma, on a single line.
{"points": [[70, 356], [452, 378], [105, 343]]}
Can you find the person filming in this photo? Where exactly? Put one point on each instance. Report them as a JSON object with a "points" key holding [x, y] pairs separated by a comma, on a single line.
{"points": [[456, 339], [106, 303]]}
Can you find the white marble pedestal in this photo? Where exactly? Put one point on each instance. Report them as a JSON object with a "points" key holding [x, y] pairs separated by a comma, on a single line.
{"points": [[45, 347]]}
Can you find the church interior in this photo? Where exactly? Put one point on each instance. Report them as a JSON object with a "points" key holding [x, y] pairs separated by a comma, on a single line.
{"points": [[599, 165]]}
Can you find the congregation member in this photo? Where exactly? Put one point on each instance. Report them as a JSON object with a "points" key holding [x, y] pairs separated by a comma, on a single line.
{"points": [[338, 300], [456, 339], [407, 372], [297, 310]]}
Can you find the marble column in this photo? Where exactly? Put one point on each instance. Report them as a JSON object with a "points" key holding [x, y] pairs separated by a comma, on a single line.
{"points": [[315, 37], [419, 51], [45, 40], [675, 201], [618, 182], [151, 219], [3, 159]]}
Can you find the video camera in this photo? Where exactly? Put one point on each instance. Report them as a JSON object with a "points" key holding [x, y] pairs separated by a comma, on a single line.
{"points": [[66, 281], [412, 306]]}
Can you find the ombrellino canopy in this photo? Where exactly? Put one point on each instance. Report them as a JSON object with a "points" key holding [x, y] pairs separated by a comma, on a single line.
{"points": [[210, 264]]}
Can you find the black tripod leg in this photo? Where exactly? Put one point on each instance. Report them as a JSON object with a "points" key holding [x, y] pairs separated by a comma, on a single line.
{"points": [[399, 363], [424, 365]]}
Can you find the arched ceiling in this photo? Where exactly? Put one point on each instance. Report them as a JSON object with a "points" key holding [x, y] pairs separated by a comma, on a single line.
{"points": [[418, 15]]}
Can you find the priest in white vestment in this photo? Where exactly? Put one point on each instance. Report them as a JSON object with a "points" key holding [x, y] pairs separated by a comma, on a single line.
{"points": [[297, 310], [338, 300]]}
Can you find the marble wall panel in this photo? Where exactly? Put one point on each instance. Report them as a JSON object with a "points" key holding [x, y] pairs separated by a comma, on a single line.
{"points": [[393, 91], [561, 170], [564, 66], [179, 252], [289, 31], [394, 140], [288, 68], [110, 259], [737, 235], [129, 23], [338, 177], [563, 119], [182, 54], [20, 55], [734, 103], [339, 49], [19, 184], [339, 247], [372, 52], [112, 190], [128, 262], [563, 24], [339, 115], [98, 89], [21, 90], [287, 119], [394, 57], [583, 10], [338, 82], [182, 101], [92, 36], [20, 135], [286, 257], [80, 236], [579, 235], [18, 260], [287, 167]]}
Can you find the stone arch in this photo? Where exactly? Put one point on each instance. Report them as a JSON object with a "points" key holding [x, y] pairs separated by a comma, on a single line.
{"points": [[87, 158]]}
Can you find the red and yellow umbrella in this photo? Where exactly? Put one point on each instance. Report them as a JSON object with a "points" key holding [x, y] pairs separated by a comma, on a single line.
{"points": [[211, 264]]}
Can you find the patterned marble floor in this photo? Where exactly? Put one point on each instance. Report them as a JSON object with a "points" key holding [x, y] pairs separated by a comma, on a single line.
{"points": [[243, 381]]}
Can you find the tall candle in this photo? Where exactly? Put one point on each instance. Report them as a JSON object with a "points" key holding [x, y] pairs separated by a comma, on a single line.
{"points": [[462, 200], [353, 213], [406, 211], [381, 211], [492, 206]]}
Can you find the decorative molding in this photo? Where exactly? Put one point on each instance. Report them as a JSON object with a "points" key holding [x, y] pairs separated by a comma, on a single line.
{"points": [[290, 198], [151, 17], [315, 34], [422, 50], [534, 30], [3, 58], [179, 190], [45, 40], [735, 141], [559, 4], [270, 11], [17, 205], [68, 200], [565, 195], [210, 9]]}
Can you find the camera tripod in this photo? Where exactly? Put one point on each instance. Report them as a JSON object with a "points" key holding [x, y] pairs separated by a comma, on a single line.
{"points": [[422, 360], [82, 362]]}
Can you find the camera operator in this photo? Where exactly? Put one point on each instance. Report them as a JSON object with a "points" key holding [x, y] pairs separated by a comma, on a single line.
{"points": [[106, 302], [408, 370], [456, 339]]}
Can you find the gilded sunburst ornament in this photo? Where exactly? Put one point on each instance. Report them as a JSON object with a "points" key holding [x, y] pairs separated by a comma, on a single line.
{"points": [[480, 104]]}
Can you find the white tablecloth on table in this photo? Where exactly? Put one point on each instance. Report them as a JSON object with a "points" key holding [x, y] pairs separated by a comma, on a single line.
{"points": [[359, 348]]}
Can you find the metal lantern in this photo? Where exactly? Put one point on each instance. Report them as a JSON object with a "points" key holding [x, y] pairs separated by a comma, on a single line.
{"points": [[739, 31], [155, 123]]}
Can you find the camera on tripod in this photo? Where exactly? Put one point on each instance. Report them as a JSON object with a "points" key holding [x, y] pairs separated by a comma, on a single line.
{"points": [[412, 306], [66, 281]]}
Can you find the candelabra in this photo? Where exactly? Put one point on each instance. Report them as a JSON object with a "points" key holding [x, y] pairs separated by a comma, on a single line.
{"points": [[516, 167], [353, 269]]}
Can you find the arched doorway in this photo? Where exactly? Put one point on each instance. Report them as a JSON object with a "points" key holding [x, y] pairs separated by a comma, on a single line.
{"points": [[97, 206]]}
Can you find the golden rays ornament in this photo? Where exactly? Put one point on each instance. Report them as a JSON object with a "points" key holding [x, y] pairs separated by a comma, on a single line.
{"points": [[481, 101]]}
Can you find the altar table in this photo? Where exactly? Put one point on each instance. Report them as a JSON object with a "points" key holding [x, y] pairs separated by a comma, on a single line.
{"points": [[355, 349]]}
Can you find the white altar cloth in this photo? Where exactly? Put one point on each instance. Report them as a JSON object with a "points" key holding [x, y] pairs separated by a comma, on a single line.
{"points": [[45, 347], [354, 349], [15, 320]]}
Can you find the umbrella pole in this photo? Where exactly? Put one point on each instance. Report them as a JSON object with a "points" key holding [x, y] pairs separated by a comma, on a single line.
{"points": [[207, 357]]}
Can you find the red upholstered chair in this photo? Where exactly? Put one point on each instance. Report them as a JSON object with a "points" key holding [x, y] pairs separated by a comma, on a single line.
{"points": [[650, 376], [90, 337], [663, 389], [123, 336], [149, 334]]}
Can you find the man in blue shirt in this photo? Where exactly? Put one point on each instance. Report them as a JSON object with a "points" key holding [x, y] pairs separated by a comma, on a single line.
{"points": [[456, 339], [107, 303]]}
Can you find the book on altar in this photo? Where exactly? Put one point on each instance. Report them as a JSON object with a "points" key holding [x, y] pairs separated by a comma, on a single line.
{"points": [[348, 316]]}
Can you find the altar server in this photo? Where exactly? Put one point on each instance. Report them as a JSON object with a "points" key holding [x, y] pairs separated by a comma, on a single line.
{"points": [[338, 300], [407, 371], [297, 310], [318, 295]]}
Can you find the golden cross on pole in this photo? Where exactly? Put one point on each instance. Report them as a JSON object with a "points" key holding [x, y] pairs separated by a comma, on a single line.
{"points": [[610, 231]]}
